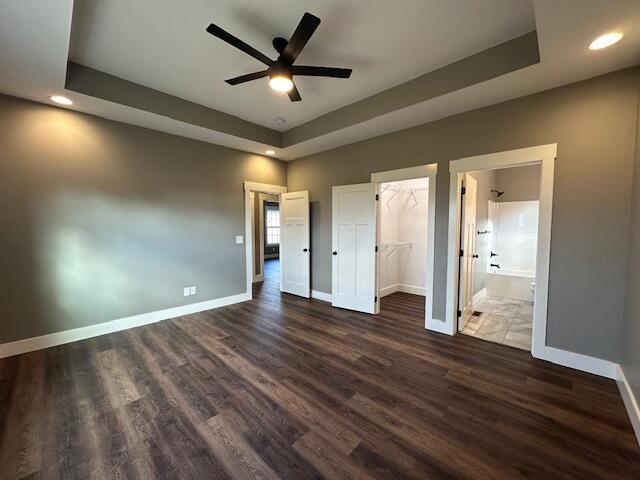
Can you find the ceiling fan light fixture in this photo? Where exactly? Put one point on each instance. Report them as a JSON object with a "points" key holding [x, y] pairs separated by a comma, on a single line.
{"points": [[281, 83]]}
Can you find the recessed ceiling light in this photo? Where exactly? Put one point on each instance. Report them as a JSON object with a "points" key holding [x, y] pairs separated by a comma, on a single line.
{"points": [[270, 152], [606, 40], [61, 100], [280, 83]]}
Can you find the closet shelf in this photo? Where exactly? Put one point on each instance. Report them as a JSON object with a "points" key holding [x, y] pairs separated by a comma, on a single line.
{"points": [[391, 247]]}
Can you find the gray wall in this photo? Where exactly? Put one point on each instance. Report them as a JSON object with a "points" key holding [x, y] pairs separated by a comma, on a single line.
{"points": [[102, 220], [594, 124], [486, 181], [518, 183], [631, 334]]}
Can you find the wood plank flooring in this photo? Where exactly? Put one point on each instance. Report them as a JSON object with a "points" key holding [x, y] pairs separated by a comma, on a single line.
{"points": [[285, 387]]}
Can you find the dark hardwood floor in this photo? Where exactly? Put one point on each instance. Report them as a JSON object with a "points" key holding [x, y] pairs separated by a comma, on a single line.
{"points": [[284, 387]]}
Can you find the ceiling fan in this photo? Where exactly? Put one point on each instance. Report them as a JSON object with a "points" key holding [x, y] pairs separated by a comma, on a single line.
{"points": [[282, 70]]}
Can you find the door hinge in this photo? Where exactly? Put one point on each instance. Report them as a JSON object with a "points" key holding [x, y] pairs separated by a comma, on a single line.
{"points": [[462, 253], [375, 299], [376, 248], [463, 190], [377, 197], [459, 313]]}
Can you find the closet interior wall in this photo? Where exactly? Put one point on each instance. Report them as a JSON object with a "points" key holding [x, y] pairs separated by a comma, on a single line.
{"points": [[403, 236]]}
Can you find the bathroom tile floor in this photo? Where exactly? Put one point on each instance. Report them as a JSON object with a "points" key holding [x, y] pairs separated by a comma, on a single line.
{"points": [[502, 320]]}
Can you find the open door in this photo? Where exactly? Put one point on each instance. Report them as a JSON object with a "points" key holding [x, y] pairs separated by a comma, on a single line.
{"points": [[467, 248], [294, 244], [354, 247]]}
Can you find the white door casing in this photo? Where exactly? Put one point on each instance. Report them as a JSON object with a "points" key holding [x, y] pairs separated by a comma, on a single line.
{"points": [[468, 246], [545, 156], [354, 228], [295, 244]]}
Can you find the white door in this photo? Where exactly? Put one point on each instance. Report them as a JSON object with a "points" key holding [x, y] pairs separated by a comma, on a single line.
{"points": [[294, 244], [468, 246], [353, 247]]}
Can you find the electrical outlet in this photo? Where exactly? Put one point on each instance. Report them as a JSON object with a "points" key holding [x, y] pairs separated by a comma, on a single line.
{"points": [[193, 290], [187, 291], [239, 239]]}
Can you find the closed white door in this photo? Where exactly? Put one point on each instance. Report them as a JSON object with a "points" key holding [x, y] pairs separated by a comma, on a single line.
{"points": [[353, 247], [467, 267], [294, 244]]}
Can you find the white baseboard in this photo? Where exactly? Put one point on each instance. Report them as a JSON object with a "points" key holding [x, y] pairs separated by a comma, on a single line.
{"points": [[597, 366], [630, 402], [325, 297], [258, 278], [388, 290], [412, 289], [479, 296], [399, 287], [81, 333]]}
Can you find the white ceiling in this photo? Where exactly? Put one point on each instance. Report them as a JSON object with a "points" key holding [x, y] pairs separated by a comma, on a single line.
{"points": [[385, 42], [34, 47]]}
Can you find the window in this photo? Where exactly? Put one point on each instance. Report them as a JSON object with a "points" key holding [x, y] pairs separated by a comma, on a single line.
{"points": [[273, 225]]}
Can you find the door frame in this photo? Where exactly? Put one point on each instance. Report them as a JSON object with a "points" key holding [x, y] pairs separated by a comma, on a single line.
{"points": [[254, 187], [461, 245], [543, 155], [429, 171]]}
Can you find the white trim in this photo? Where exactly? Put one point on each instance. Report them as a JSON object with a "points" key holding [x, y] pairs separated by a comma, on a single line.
{"points": [[258, 278], [544, 155], [401, 174], [509, 158], [577, 361], [429, 171], [412, 289], [630, 402], [318, 295], [479, 296], [82, 333], [252, 199], [402, 287], [264, 188], [248, 239], [383, 292], [261, 235]]}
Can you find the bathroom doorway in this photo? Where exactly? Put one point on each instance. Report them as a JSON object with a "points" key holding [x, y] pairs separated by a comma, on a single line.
{"points": [[499, 232], [499, 246]]}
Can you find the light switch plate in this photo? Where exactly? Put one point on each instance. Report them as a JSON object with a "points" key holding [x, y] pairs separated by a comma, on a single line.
{"points": [[193, 290], [239, 239], [187, 291]]}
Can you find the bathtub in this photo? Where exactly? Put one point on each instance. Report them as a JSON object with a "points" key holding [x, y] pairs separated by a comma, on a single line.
{"points": [[510, 284]]}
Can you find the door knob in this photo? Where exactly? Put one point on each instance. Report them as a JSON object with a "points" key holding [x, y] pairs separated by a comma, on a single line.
{"points": [[305, 249], [475, 256], [494, 254], [334, 253]]}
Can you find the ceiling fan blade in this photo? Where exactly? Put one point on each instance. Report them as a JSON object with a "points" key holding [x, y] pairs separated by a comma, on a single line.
{"points": [[223, 35], [321, 71], [294, 94], [300, 37], [247, 78]]}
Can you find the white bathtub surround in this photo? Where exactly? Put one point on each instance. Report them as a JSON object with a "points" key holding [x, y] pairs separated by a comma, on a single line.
{"points": [[403, 236], [508, 284], [514, 233]]}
